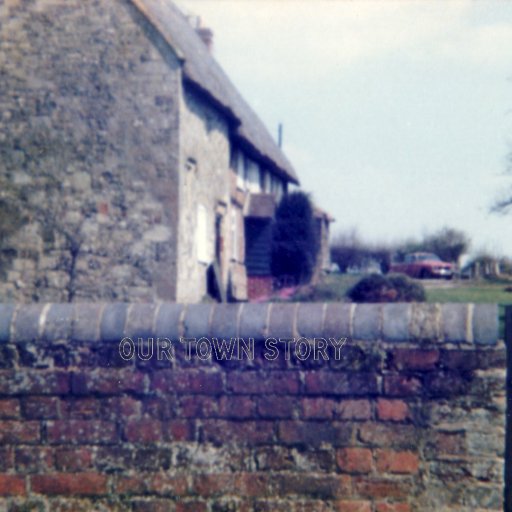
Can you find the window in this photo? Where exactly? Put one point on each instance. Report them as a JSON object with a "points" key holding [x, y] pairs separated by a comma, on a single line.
{"points": [[265, 181], [240, 169], [191, 165], [202, 234], [276, 187], [253, 176]]}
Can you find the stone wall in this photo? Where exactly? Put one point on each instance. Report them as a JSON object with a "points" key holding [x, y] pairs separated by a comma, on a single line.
{"points": [[89, 112], [403, 409], [204, 152]]}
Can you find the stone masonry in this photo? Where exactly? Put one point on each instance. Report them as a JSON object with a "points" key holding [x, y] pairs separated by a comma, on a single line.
{"points": [[402, 410], [89, 151]]}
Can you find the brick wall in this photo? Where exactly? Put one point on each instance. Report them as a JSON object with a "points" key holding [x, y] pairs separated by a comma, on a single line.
{"points": [[407, 414], [259, 286]]}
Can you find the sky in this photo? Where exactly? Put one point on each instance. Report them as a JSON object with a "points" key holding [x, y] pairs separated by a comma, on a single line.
{"points": [[397, 115]]}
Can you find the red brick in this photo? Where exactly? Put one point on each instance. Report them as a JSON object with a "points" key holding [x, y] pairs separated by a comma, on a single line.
{"points": [[162, 408], [402, 385], [34, 459], [444, 443], [354, 410], [397, 462], [143, 431], [153, 483], [122, 407], [19, 432], [393, 507], [197, 406], [149, 505], [313, 433], [11, 485], [277, 406], [254, 484], [81, 484], [203, 382], [353, 506], [386, 435], [9, 409], [354, 460], [254, 382], [392, 410], [318, 408], [446, 384], [81, 432], [234, 406], [82, 408], [404, 359], [34, 382], [180, 430], [275, 458], [381, 488], [340, 383], [465, 360], [246, 432], [259, 286], [69, 460], [191, 506], [6, 458], [324, 487], [216, 484], [108, 382], [41, 407]]}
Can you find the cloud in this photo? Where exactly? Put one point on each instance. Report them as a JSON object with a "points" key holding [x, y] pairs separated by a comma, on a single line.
{"points": [[323, 37]]}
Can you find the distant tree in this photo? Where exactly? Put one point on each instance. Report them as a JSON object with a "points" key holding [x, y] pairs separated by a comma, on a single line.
{"points": [[294, 238], [448, 243], [348, 250]]}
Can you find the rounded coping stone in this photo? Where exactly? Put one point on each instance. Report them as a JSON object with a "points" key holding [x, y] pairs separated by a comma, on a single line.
{"points": [[338, 320], [485, 324], [140, 320], [169, 322], [367, 321], [455, 322], [197, 320], [58, 322], [224, 322], [113, 321], [396, 319], [253, 321], [87, 322], [26, 322], [282, 321]]}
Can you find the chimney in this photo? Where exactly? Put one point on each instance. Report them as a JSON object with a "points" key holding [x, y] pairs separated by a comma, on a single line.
{"points": [[206, 34]]}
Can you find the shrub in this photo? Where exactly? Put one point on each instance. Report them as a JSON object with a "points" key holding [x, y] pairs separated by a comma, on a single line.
{"points": [[294, 238], [391, 288]]}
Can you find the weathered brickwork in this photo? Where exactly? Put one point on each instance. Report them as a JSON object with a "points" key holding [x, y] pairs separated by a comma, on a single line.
{"points": [[410, 417]]}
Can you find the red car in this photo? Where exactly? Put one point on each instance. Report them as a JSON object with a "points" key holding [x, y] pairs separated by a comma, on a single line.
{"points": [[424, 265]]}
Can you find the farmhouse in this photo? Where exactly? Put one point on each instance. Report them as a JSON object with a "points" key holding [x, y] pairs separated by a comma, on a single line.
{"points": [[129, 160]]}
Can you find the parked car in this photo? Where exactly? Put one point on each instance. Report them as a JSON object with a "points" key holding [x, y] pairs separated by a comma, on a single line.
{"points": [[424, 265]]}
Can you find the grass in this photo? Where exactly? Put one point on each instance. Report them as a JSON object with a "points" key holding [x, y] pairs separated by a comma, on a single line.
{"points": [[334, 287]]}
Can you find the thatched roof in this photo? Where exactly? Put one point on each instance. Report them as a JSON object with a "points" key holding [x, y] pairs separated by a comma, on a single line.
{"points": [[202, 71]]}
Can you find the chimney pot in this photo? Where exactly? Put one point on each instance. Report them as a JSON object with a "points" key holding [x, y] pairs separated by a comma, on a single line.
{"points": [[206, 36]]}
